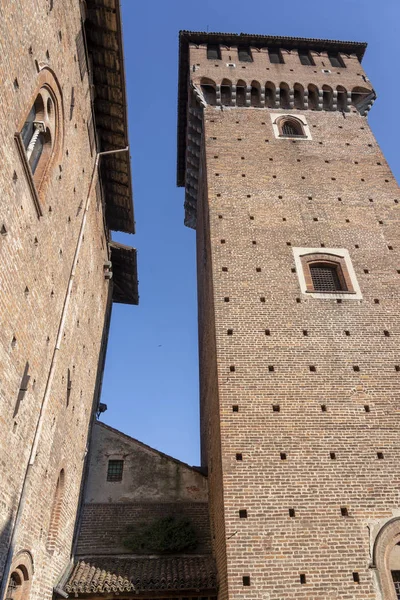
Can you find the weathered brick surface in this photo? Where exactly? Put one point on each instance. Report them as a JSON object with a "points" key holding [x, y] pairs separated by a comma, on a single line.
{"points": [[342, 179], [38, 254], [104, 526]]}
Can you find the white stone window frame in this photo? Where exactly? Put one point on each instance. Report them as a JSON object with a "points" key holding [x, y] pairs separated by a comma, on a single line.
{"points": [[336, 252], [275, 117]]}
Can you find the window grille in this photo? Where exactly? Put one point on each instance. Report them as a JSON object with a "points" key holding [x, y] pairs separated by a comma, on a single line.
{"points": [[291, 128], [305, 58], [325, 278], [396, 581], [115, 468], [335, 59], [213, 52], [12, 588], [275, 56], [244, 53]]}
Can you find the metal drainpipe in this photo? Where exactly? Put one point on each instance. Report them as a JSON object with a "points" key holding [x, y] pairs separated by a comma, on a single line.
{"points": [[43, 406]]}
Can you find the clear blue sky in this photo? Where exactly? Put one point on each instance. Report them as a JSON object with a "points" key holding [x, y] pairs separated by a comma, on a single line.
{"points": [[151, 377]]}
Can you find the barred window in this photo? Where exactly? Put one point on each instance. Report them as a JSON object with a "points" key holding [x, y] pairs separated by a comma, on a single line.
{"points": [[115, 469], [291, 128], [396, 581], [327, 278]]}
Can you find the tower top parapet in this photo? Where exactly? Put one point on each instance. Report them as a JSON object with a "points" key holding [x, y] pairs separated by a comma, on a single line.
{"points": [[236, 71]]}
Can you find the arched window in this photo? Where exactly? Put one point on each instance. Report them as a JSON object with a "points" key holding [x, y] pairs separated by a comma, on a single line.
{"points": [[284, 96], [56, 512], [39, 135], [241, 93], [341, 98], [327, 277], [270, 94], [386, 559], [327, 273], [312, 97], [19, 582], [290, 128], [209, 91], [298, 92], [255, 93], [327, 97], [226, 92]]}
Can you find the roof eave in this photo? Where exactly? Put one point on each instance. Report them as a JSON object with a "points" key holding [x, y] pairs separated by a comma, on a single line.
{"points": [[202, 37]]}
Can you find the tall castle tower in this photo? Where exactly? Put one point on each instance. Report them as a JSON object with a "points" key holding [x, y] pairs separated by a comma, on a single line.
{"points": [[65, 183], [298, 257]]}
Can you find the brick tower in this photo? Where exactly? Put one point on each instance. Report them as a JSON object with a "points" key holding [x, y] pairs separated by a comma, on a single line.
{"points": [[298, 257], [65, 183]]}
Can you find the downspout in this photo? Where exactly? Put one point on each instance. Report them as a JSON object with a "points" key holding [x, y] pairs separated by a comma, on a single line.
{"points": [[39, 425]]}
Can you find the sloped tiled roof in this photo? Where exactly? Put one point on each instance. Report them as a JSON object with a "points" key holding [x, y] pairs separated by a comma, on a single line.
{"points": [[107, 574]]}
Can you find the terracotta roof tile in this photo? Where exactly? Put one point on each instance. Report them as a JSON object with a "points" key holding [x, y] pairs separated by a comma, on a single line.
{"points": [[107, 574]]}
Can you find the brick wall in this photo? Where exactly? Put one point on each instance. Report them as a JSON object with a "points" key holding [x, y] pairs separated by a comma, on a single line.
{"points": [[104, 526], [37, 254], [271, 195]]}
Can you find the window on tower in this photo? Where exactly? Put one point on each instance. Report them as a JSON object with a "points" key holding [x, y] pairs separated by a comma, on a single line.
{"points": [[244, 54], [213, 52], [306, 58], [327, 273], [291, 128], [396, 581], [275, 56], [327, 277], [39, 136], [336, 59], [288, 126]]}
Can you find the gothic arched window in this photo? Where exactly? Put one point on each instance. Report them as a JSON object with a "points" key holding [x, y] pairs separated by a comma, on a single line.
{"points": [[19, 582], [37, 133], [39, 136]]}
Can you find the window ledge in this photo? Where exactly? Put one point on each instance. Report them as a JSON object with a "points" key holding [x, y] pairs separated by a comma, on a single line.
{"points": [[28, 173], [334, 292], [297, 136]]}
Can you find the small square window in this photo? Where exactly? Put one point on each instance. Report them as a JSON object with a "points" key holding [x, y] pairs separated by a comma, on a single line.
{"points": [[115, 469]]}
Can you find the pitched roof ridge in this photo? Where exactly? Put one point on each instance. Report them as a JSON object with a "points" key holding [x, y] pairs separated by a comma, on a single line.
{"points": [[131, 438]]}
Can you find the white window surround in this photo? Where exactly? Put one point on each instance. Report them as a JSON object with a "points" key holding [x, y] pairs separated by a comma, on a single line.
{"points": [[275, 119], [342, 253]]}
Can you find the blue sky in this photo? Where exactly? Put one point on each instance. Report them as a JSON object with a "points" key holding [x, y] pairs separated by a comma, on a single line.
{"points": [[151, 377]]}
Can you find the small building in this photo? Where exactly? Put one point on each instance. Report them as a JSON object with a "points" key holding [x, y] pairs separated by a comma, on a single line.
{"points": [[144, 526]]}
